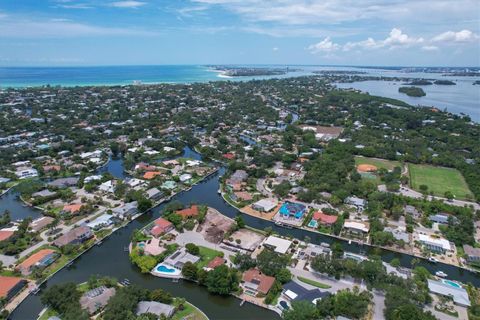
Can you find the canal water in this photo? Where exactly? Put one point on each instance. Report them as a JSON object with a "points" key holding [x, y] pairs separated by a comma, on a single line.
{"points": [[110, 259]]}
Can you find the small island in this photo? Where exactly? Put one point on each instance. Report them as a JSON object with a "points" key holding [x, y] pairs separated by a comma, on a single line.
{"points": [[445, 82], [419, 82], [250, 72], [412, 91]]}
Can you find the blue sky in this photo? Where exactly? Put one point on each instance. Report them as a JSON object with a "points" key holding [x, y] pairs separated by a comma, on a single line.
{"points": [[336, 32]]}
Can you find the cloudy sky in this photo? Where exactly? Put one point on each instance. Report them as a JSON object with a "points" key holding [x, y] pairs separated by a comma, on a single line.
{"points": [[335, 32]]}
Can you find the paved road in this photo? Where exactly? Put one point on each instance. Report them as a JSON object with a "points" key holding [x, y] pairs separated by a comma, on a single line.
{"points": [[405, 191]]}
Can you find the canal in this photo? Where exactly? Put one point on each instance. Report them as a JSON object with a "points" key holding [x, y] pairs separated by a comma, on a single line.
{"points": [[110, 258]]}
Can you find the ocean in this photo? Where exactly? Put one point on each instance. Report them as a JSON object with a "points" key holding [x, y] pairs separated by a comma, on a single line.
{"points": [[461, 98]]}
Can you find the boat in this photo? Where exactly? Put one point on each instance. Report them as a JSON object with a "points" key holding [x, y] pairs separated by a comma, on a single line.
{"points": [[441, 274], [99, 243], [433, 260], [280, 224]]}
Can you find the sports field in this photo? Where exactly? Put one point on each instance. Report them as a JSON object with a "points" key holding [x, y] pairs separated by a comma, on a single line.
{"points": [[439, 180], [379, 163]]}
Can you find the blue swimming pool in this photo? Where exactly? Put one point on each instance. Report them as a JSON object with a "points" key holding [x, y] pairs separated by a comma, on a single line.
{"points": [[162, 268], [452, 283], [313, 224]]}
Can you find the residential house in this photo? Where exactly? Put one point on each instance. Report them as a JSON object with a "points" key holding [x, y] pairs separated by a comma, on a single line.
{"points": [[277, 244], [292, 210], [154, 194], [359, 203], [149, 175], [179, 258], [412, 211], [95, 299], [126, 211], [11, 286], [357, 227], [458, 294], [265, 205], [293, 291], [322, 219], [435, 244], [161, 226], [74, 236], [40, 259], [255, 282], [156, 308], [107, 186], [473, 254], [73, 208], [105, 220], [216, 262], [25, 173], [40, 223], [169, 185], [186, 177], [188, 212], [440, 218], [64, 182], [43, 194]]}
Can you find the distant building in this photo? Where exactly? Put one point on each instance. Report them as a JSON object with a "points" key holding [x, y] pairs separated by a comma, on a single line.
{"points": [[439, 218], [43, 194], [74, 236], [64, 182], [359, 203], [125, 211], [179, 258], [40, 223], [154, 194], [412, 211], [26, 173]]}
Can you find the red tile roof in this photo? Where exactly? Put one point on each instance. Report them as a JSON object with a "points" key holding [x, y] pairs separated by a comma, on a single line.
{"points": [[4, 235], [161, 226], [217, 261], [151, 174], [188, 212], [7, 284], [73, 208], [264, 282], [228, 156], [34, 258], [324, 218]]}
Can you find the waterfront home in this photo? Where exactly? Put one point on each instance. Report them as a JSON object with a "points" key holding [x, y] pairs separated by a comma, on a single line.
{"points": [[186, 177], [73, 208], [255, 282], [51, 168], [6, 233], [152, 247], [40, 223], [292, 210], [11, 286], [64, 182], [160, 227], [103, 221], [4, 180], [179, 258], [149, 175], [322, 219], [188, 212], [134, 183], [74, 236], [265, 205], [435, 244], [107, 186], [43, 194], [97, 298], [169, 185], [237, 178], [356, 227], [155, 308], [293, 291], [359, 203], [40, 259], [277, 244], [450, 289], [125, 211], [142, 166], [472, 254], [154, 194], [241, 196], [312, 251], [399, 233], [92, 178]]}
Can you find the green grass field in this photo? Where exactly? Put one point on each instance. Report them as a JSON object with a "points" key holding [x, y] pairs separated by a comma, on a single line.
{"points": [[439, 180], [314, 283], [379, 163], [207, 255]]}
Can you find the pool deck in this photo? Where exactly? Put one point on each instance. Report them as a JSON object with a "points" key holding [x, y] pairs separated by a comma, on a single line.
{"points": [[164, 274]]}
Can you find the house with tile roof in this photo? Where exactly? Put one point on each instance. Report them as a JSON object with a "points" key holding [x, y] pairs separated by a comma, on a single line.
{"points": [[39, 259], [255, 282]]}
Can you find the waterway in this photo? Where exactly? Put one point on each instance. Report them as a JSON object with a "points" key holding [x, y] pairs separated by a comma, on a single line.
{"points": [[111, 259]]}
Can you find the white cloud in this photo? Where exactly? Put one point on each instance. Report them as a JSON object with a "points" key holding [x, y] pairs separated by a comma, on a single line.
{"points": [[430, 48], [275, 48], [326, 45], [128, 4], [399, 39], [22, 28], [461, 36]]}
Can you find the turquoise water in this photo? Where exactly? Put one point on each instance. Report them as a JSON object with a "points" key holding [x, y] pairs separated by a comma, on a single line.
{"points": [[164, 269], [451, 283], [313, 224]]}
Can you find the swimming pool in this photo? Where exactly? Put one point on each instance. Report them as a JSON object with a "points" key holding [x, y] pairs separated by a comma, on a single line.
{"points": [[313, 224], [163, 270], [141, 245], [451, 283]]}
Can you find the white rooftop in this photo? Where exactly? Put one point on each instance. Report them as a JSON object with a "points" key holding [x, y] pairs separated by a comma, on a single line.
{"points": [[441, 242], [459, 294], [280, 245]]}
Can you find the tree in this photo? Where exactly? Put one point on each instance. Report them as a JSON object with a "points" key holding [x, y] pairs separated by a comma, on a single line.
{"points": [[244, 261], [304, 310], [162, 296], [64, 298], [395, 262], [190, 271], [284, 275], [192, 248], [270, 262], [449, 195], [239, 221], [222, 280]]}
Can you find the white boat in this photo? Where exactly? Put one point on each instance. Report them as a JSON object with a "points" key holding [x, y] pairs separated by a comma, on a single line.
{"points": [[441, 274], [432, 259]]}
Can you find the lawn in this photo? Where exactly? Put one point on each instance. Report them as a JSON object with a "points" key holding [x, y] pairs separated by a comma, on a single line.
{"points": [[190, 312], [314, 283], [207, 255], [439, 180], [379, 163], [47, 314]]}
